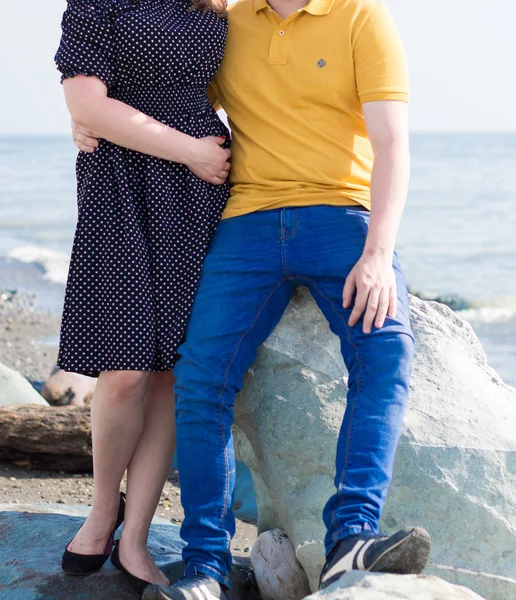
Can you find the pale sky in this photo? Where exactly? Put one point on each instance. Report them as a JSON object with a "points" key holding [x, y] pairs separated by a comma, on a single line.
{"points": [[462, 56]]}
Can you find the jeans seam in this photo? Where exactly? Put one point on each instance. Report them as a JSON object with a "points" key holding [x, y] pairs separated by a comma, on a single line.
{"points": [[296, 227], [224, 386], [284, 258], [353, 407]]}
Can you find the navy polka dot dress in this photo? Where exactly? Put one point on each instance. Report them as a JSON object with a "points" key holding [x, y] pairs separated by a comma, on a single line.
{"points": [[144, 223]]}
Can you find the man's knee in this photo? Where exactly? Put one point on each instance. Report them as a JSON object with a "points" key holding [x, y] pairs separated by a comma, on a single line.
{"points": [[398, 354], [200, 382]]}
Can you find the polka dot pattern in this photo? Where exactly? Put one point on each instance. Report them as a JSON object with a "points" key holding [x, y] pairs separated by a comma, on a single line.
{"points": [[144, 223]]}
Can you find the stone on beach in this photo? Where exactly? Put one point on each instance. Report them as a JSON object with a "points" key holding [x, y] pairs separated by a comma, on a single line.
{"points": [[68, 389], [455, 472], [15, 389], [276, 568]]}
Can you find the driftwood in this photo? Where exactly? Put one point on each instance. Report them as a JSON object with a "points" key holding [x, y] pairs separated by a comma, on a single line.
{"points": [[46, 437]]}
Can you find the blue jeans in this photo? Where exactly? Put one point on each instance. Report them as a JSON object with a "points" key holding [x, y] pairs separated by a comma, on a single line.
{"points": [[254, 265]]}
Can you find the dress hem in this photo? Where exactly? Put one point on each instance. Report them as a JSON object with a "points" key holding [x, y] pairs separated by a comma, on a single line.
{"points": [[91, 372]]}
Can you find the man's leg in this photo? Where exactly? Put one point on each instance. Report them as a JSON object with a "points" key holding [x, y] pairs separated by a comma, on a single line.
{"points": [[330, 243], [379, 366], [242, 296]]}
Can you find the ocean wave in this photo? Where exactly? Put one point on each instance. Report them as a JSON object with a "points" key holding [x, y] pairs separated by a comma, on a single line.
{"points": [[499, 311], [54, 263]]}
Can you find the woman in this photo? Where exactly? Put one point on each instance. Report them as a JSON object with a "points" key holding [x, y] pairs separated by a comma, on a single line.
{"points": [[149, 199]]}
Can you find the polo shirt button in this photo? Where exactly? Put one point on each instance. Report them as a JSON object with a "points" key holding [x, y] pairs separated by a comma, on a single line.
{"points": [[282, 32]]}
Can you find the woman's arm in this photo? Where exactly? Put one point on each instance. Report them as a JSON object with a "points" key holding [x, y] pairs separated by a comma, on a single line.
{"points": [[90, 106]]}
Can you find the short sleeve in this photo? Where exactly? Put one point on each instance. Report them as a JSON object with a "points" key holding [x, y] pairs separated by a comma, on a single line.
{"points": [[381, 71], [86, 46]]}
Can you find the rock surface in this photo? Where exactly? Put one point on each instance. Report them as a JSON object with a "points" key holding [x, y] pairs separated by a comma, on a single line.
{"points": [[32, 540], [15, 389], [373, 586], [68, 389], [456, 467]]}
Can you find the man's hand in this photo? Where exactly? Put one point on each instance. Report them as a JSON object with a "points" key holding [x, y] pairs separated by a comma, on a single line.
{"points": [[84, 138], [372, 285]]}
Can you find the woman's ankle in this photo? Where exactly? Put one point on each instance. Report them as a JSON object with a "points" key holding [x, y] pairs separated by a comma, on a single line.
{"points": [[104, 505], [134, 540]]}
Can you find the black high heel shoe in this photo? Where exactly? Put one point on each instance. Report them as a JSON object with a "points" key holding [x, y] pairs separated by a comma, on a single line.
{"points": [[138, 585], [86, 564]]}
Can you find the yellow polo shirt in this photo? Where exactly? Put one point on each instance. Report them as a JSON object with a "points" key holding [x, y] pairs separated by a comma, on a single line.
{"points": [[293, 91]]}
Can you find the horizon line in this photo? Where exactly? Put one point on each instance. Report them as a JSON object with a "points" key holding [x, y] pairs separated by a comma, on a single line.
{"points": [[413, 132]]}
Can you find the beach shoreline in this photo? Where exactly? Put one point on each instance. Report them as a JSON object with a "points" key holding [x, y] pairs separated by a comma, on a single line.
{"points": [[28, 336]]}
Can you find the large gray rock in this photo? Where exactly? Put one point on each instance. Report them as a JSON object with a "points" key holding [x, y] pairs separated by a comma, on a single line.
{"points": [[32, 539], [455, 472], [15, 389], [373, 586]]}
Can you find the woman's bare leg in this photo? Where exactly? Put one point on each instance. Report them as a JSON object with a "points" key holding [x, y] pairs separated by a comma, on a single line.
{"points": [[117, 422], [146, 477]]}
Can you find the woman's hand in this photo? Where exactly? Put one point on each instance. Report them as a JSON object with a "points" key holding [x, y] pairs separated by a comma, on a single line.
{"points": [[372, 285], [209, 161], [84, 138]]}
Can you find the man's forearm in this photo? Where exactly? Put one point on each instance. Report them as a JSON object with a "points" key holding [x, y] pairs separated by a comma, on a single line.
{"points": [[389, 186]]}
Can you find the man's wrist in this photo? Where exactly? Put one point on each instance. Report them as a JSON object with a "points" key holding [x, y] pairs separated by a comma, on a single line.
{"points": [[378, 251]]}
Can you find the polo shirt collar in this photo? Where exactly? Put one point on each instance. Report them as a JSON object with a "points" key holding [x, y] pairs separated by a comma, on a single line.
{"points": [[260, 5], [314, 7], [319, 8]]}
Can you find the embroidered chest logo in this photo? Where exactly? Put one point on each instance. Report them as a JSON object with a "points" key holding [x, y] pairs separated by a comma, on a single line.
{"points": [[321, 63]]}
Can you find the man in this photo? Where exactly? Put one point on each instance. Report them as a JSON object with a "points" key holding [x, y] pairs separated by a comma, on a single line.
{"points": [[316, 93]]}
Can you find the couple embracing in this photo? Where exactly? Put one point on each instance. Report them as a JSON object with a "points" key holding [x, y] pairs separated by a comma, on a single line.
{"points": [[189, 247]]}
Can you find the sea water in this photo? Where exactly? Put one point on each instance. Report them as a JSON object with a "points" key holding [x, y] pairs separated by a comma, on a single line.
{"points": [[458, 235]]}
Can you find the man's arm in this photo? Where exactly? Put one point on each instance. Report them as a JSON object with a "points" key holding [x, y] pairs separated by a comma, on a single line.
{"points": [[372, 278]]}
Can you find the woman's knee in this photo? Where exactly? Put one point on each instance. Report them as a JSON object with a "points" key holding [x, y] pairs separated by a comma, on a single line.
{"points": [[163, 379], [124, 384]]}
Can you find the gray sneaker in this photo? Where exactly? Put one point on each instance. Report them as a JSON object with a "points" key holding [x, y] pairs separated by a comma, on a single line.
{"points": [[196, 587], [406, 552]]}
